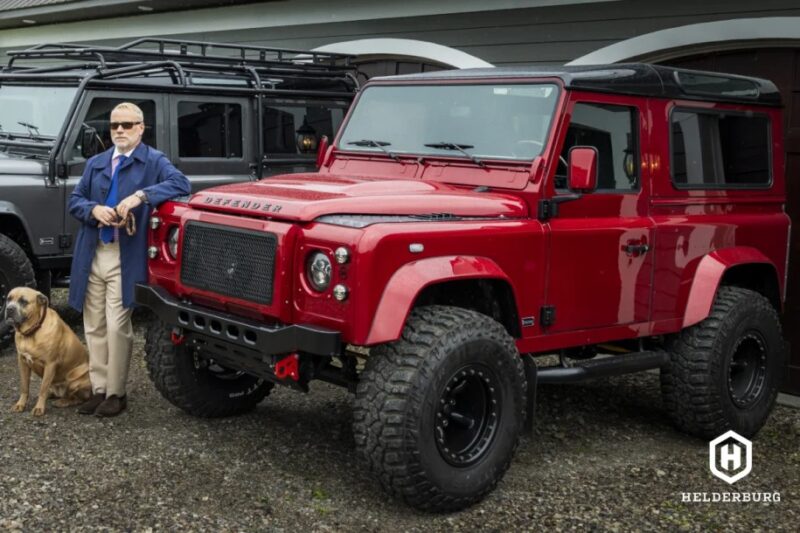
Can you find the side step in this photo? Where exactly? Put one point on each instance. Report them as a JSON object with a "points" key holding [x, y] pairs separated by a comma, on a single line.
{"points": [[607, 366]]}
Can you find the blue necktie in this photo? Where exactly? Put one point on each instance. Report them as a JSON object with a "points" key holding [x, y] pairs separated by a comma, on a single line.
{"points": [[107, 232]]}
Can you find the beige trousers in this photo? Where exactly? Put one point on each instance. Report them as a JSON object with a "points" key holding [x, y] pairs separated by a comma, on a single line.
{"points": [[107, 324]]}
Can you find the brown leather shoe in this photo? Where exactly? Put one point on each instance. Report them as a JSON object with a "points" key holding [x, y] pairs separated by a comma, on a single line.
{"points": [[112, 406], [89, 406]]}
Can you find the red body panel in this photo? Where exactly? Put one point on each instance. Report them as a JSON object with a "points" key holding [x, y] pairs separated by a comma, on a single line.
{"points": [[580, 261]]}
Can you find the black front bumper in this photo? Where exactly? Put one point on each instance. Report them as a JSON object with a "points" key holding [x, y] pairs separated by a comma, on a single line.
{"points": [[230, 329]]}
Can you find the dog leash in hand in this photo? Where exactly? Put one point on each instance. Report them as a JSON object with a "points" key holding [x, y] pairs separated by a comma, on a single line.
{"points": [[129, 222]]}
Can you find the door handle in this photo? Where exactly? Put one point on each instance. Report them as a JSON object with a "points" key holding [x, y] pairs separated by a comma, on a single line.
{"points": [[636, 248]]}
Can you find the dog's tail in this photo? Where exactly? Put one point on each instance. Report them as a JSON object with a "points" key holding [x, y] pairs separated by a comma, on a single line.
{"points": [[78, 382]]}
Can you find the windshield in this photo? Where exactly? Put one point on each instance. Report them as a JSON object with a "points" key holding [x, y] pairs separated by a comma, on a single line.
{"points": [[503, 121], [28, 110]]}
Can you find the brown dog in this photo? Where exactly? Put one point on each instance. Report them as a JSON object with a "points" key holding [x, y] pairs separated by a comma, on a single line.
{"points": [[46, 346]]}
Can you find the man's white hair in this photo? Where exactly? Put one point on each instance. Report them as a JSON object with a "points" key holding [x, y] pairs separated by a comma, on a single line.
{"points": [[128, 106]]}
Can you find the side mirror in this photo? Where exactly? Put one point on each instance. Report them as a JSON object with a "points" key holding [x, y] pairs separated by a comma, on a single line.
{"points": [[90, 142], [582, 169], [321, 149]]}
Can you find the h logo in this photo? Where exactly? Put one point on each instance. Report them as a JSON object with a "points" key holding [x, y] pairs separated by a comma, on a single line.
{"points": [[730, 457]]}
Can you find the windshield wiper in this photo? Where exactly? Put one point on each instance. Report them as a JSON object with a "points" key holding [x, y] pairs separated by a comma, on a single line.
{"points": [[459, 147], [30, 127], [377, 144]]}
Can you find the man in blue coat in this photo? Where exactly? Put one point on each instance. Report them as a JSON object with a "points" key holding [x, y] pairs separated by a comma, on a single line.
{"points": [[107, 262]]}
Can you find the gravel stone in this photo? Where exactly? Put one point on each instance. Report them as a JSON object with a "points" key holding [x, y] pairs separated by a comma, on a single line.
{"points": [[603, 456]]}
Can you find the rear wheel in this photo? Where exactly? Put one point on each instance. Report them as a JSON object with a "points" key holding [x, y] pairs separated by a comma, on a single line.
{"points": [[16, 270], [199, 386], [439, 412], [725, 371]]}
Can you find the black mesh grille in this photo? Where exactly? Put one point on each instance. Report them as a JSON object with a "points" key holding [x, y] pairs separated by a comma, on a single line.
{"points": [[229, 261]]}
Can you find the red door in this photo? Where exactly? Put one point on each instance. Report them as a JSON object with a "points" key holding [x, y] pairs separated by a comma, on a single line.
{"points": [[600, 265]]}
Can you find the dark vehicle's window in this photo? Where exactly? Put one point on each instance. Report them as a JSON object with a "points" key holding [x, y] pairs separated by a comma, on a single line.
{"points": [[292, 129], [612, 130], [97, 119], [209, 129], [718, 150]]}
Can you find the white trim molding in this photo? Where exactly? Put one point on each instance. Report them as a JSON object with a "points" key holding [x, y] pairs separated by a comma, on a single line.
{"points": [[723, 34], [410, 48]]}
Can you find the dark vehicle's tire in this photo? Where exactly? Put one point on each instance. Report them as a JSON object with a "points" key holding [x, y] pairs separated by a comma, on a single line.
{"points": [[438, 413], [200, 389], [16, 270], [725, 371]]}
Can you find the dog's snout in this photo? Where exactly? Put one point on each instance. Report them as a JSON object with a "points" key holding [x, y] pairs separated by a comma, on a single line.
{"points": [[12, 312]]}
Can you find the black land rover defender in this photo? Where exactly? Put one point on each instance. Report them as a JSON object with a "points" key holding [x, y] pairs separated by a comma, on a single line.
{"points": [[220, 112]]}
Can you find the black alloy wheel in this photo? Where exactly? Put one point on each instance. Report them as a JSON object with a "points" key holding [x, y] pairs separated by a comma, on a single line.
{"points": [[747, 370], [468, 415]]}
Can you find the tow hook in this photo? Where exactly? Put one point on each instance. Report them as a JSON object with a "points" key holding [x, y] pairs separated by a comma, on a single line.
{"points": [[177, 337], [288, 367]]}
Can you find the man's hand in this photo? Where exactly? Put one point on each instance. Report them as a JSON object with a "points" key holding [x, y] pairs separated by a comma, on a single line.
{"points": [[105, 215], [125, 206]]}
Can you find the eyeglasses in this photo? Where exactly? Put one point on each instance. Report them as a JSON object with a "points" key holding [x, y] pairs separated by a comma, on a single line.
{"points": [[125, 125]]}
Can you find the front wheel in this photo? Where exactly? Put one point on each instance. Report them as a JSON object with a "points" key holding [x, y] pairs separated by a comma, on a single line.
{"points": [[16, 270], [439, 412], [198, 386], [725, 371]]}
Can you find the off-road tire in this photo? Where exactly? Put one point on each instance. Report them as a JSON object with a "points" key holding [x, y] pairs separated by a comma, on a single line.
{"points": [[16, 270], [400, 390], [695, 385], [193, 387]]}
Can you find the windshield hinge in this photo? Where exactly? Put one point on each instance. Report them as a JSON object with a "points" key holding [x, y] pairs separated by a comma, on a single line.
{"points": [[65, 240], [548, 207], [547, 315]]}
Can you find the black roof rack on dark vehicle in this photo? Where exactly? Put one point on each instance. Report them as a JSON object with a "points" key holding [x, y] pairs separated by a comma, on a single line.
{"points": [[179, 61], [168, 65]]}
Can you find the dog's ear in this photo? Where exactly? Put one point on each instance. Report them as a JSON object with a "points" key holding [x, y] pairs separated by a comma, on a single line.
{"points": [[43, 300]]}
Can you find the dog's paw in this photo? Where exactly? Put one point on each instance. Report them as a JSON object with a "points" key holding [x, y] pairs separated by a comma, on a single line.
{"points": [[18, 407], [38, 411]]}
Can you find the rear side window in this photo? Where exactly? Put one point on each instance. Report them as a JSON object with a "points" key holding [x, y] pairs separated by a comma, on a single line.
{"points": [[209, 129], [720, 150]]}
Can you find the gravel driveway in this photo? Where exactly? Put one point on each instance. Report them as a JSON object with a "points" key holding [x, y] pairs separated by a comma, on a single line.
{"points": [[603, 457]]}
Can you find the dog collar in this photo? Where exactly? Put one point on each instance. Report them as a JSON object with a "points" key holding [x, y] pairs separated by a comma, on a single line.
{"points": [[36, 326]]}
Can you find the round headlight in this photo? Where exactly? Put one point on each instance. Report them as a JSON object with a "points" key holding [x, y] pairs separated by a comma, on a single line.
{"points": [[318, 271], [172, 241]]}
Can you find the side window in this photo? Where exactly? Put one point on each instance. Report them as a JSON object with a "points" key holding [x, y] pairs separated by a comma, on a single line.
{"points": [[717, 150], [95, 134], [209, 129], [292, 129], [613, 131]]}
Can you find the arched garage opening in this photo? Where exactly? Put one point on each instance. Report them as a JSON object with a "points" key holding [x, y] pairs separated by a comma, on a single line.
{"points": [[387, 57]]}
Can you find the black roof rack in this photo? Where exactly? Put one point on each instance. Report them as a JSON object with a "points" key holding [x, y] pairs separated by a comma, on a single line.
{"points": [[264, 66], [147, 49]]}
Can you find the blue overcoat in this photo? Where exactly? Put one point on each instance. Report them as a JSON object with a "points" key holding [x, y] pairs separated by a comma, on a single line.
{"points": [[147, 169]]}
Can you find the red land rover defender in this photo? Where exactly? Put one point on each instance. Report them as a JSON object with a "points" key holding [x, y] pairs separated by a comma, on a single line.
{"points": [[463, 223]]}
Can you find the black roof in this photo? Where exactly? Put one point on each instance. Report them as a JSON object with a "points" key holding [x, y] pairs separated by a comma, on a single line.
{"points": [[639, 79]]}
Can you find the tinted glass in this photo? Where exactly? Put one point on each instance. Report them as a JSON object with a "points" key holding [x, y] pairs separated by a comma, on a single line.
{"points": [[612, 130], [97, 118], [209, 129], [720, 150], [284, 123], [509, 121], [41, 109]]}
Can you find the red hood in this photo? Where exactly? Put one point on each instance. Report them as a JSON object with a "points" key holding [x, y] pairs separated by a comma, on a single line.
{"points": [[304, 197]]}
